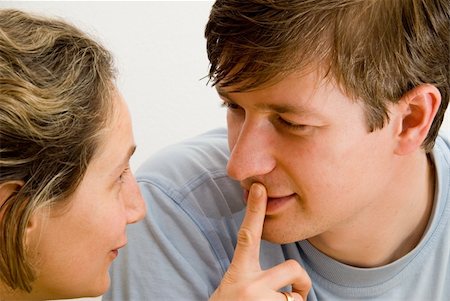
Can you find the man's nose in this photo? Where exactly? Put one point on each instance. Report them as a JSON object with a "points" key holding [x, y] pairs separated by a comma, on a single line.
{"points": [[251, 152]]}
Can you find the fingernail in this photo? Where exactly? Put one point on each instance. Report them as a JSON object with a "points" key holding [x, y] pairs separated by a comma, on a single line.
{"points": [[257, 190]]}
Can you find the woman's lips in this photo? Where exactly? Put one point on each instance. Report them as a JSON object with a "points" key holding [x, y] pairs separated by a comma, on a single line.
{"points": [[115, 252]]}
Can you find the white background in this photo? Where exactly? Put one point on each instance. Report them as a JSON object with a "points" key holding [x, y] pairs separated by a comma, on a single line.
{"points": [[160, 53]]}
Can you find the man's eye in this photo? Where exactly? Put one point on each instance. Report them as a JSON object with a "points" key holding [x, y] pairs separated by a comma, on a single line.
{"points": [[291, 125], [230, 105]]}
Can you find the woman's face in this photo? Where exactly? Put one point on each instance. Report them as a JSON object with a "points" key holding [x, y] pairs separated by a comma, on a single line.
{"points": [[74, 245]]}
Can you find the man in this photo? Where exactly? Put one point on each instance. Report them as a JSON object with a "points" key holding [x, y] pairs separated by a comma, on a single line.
{"points": [[334, 107]]}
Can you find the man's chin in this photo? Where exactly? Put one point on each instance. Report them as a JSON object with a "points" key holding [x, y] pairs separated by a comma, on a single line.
{"points": [[276, 237]]}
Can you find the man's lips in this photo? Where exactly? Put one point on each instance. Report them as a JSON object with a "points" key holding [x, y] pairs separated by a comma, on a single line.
{"points": [[280, 198], [270, 198], [275, 204]]}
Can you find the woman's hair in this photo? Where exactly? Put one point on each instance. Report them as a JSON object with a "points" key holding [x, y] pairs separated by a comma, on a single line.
{"points": [[56, 86], [375, 50]]}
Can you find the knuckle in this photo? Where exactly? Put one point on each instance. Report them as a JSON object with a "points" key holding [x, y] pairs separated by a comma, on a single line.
{"points": [[244, 237], [253, 207], [307, 282], [298, 270], [293, 266], [230, 276]]}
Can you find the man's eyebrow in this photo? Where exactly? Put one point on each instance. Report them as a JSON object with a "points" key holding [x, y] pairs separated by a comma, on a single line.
{"points": [[284, 108], [278, 108]]}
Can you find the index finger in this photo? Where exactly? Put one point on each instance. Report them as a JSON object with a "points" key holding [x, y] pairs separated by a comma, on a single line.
{"points": [[246, 254]]}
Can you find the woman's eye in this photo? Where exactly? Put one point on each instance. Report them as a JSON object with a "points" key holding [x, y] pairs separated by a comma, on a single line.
{"points": [[123, 175]]}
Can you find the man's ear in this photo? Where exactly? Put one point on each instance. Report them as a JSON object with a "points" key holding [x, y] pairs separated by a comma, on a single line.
{"points": [[418, 107]]}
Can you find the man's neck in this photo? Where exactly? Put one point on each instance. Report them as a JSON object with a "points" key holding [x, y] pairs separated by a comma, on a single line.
{"points": [[390, 228]]}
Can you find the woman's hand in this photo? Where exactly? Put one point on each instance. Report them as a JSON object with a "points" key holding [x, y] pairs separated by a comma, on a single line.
{"points": [[244, 279]]}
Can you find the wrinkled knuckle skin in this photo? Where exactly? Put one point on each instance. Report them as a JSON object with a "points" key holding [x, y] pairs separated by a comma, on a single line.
{"points": [[230, 277], [253, 208], [244, 237]]}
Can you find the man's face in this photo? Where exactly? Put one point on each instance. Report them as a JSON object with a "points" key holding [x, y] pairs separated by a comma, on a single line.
{"points": [[309, 144]]}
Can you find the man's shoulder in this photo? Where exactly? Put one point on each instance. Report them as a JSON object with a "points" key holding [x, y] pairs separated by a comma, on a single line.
{"points": [[443, 139], [441, 150], [186, 187], [192, 172]]}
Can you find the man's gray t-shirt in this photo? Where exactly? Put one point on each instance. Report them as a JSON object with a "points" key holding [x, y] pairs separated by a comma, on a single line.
{"points": [[186, 242]]}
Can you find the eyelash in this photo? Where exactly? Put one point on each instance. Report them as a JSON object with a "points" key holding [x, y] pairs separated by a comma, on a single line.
{"points": [[281, 121], [230, 105], [290, 125]]}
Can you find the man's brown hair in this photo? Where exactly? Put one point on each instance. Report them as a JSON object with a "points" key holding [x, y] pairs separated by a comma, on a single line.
{"points": [[375, 50]]}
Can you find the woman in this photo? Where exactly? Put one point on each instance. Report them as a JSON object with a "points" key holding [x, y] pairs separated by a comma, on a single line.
{"points": [[66, 189]]}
